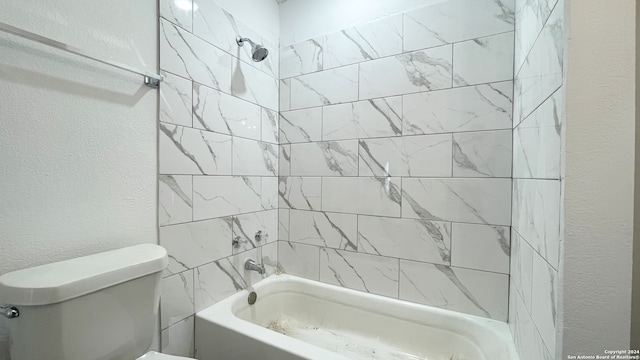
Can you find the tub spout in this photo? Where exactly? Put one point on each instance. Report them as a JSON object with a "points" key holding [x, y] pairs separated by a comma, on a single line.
{"points": [[252, 265]]}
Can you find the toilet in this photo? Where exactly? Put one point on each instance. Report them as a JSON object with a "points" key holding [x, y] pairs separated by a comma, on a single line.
{"points": [[97, 307]]}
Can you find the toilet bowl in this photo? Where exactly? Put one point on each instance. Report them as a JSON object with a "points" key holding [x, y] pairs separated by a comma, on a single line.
{"points": [[97, 307]]}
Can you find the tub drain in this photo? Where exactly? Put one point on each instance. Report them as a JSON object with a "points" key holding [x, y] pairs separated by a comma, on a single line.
{"points": [[252, 298]]}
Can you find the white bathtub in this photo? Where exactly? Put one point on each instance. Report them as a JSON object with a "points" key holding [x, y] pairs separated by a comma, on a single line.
{"points": [[329, 322]]}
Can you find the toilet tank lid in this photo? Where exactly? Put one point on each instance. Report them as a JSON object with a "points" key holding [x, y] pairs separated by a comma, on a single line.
{"points": [[64, 280]]}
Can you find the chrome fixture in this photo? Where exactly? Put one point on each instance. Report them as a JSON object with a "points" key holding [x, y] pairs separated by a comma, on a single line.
{"points": [[10, 312], [258, 52], [260, 236], [253, 266], [151, 80], [238, 241], [252, 298]]}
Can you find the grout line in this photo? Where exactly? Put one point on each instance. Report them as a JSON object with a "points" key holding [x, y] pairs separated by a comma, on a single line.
{"points": [[535, 251], [535, 109], [393, 218], [219, 218], [395, 137], [403, 52], [453, 154], [495, 82]]}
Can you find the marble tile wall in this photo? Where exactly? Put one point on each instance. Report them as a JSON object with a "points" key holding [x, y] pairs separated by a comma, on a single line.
{"points": [[218, 162], [395, 156], [536, 237]]}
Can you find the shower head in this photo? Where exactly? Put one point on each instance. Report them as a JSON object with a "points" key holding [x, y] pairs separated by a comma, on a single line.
{"points": [[258, 52]]}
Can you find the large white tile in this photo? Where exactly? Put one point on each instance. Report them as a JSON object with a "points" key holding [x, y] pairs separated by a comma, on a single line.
{"points": [[427, 155], [324, 229], [284, 160], [362, 195], [178, 339], [363, 119], [541, 74], [216, 281], [220, 28], [216, 26], [370, 273], [175, 199], [176, 298], [482, 107], [531, 16], [246, 226], [333, 86], [452, 21], [285, 94], [521, 268], [366, 42], [271, 64], [300, 193], [270, 128], [269, 255], [469, 291], [482, 154], [179, 13], [185, 150], [536, 216], [220, 279], [407, 73], [175, 100], [301, 125], [218, 196], [188, 56], [336, 158], [216, 111], [478, 201], [253, 85], [481, 247], [269, 195], [484, 60], [299, 260], [283, 221], [301, 58], [252, 157], [193, 244], [420, 240], [537, 141], [544, 301], [529, 344]]}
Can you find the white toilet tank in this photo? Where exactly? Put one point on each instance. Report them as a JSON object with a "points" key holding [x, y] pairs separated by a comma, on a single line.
{"points": [[97, 307]]}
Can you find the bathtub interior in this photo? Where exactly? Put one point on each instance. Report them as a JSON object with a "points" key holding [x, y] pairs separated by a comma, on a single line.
{"points": [[350, 330], [341, 320]]}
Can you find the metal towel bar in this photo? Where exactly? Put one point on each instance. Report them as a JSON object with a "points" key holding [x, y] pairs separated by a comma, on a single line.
{"points": [[151, 80]]}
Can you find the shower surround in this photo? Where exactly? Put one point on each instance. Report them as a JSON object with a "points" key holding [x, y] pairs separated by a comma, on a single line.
{"points": [[218, 162], [395, 156], [380, 156], [538, 175]]}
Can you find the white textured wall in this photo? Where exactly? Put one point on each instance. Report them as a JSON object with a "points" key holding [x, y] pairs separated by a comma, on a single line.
{"points": [[77, 139], [599, 176], [305, 19]]}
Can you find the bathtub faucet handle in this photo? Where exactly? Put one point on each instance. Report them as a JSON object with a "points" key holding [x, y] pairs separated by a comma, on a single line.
{"points": [[237, 241], [260, 236]]}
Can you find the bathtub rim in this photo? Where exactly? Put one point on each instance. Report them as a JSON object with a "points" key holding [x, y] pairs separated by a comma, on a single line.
{"points": [[476, 329]]}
